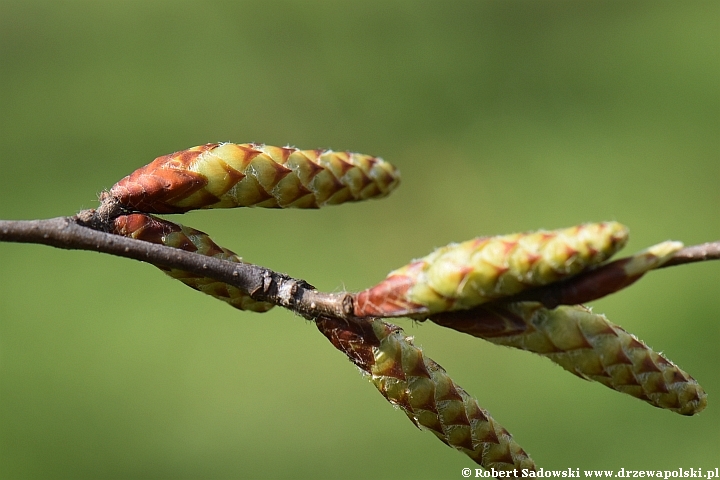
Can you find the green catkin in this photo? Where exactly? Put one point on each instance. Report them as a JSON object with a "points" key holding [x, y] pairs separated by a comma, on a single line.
{"points": [[464, 275], [423, 390], [162, 232], [226, 175], [590, 346]]}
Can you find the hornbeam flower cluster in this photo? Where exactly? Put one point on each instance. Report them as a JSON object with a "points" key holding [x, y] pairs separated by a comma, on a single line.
{"points": [[473, 287], [226, 175], [464, 275]]}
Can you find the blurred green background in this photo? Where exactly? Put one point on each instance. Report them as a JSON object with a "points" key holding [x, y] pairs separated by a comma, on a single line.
{"points": [[503, 116]]}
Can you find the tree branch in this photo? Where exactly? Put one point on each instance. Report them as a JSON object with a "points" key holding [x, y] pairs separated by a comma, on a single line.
{"points": [[279, 289], [261, 283]]}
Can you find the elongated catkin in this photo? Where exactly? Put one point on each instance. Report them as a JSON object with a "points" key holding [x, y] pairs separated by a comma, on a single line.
{"points": [[587, 345], [225, 175], [424, 391], [464, 275], [154, 230]]}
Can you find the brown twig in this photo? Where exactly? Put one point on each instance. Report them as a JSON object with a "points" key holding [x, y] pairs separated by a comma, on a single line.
{"points": [[264, 284]]}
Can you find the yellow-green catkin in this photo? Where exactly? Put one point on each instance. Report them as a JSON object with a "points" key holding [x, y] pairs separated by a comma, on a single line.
{"points": [[225, 175], [591, 347], [163, 232], [209, 286], [464, 275], [425, 392]]}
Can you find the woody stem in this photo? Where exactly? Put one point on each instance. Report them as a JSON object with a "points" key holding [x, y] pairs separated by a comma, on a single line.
{"points": [[261, 283]]}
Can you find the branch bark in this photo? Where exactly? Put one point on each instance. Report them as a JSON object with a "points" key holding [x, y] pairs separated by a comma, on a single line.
{"points": [[264, 284], [261, 283]]}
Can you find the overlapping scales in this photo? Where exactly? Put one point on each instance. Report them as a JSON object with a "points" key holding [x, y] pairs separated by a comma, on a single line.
{"points": [[162, 232], [587, 345], [424, 391], [225, 175], [464, 275]]}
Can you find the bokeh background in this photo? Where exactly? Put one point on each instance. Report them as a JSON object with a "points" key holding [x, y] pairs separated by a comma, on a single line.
{"points": [[503, 116]]}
